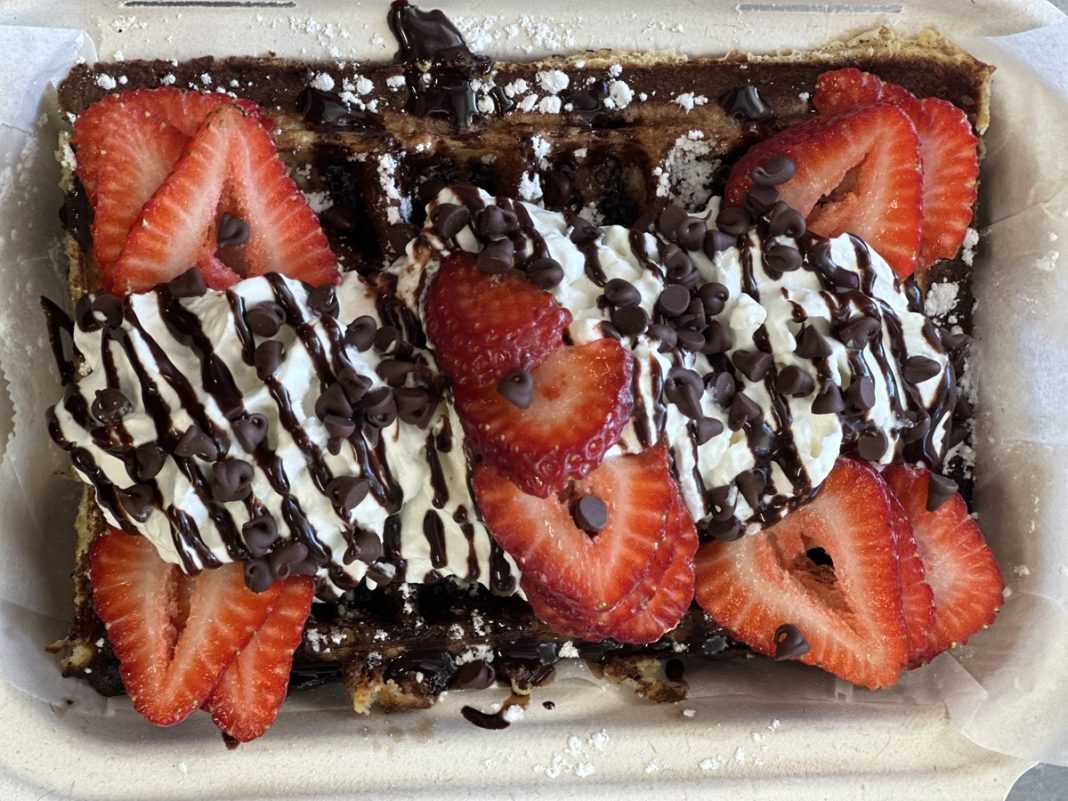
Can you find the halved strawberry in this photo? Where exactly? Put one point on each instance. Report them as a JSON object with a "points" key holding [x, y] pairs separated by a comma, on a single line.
{"points": [[857, 172], [959, 566], [948, 153], [581, 400], [849, 611], [173, 636], [250, 691], [917, 600], [591, 574], [483, 327]]}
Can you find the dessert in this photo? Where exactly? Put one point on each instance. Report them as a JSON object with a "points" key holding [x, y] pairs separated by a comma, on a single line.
{"points": [[609, 418]]}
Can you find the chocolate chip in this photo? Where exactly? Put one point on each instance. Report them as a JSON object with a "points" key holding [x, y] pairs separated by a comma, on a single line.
{"points": [[333, 401], [783, 220], [380, 407], [267, 358], [665, 334], [683, 388], [811, 344], [717, 242], [859, 396], [829, 400], [872, 445], [955, 344], [759, 200], [790, 643], [360, 333], [231, 231], [545, 273], [137, 501], [782, 258], [727, 530], [342, 218], [450, 219], [723, 388], [385, 337], [347, 492], [189, 284], [415, 405], [251, 431], [673, 300], [775, 171], [399, 235], [751, 485], [258, 575], [265, 319], [690, 233], [795, 382], [714, 296], [717, 339], [753, 364], [110, 405], [582, 230], [670, 219], [918, 369], [146, 462], [430, 188], [679, 266], [920, 424], [517, 388], [195, 442], [497, 257], [339, 428], [231, 480], [260, 533], [745, 103], [939, 490], [856, 334], [285, 560], [733, 220], [363, 545], [494, 221], [693, 341], [743, 410], [722, 502], [630, 321], [323, 300], [620, 292], [590, 514], [477, 675], [706, 428], [395, 371]]}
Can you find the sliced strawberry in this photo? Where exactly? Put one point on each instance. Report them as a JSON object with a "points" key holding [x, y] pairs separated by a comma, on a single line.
{"points": [[168, 664], [849, 611], [857, 172], [592, 574], [917, 600], [846, 89], [483, 327], [246, 700], [961, 570], [581, 400], [230, 165]]}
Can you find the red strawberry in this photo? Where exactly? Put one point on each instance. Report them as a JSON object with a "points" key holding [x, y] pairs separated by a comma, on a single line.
{"points": [[917, 600], [857, 172], [173, 636], [581, 400], [591, 574], [849, 612], [250, 691], [961, 570], [483, 327], [948, 153], [230, 165]]}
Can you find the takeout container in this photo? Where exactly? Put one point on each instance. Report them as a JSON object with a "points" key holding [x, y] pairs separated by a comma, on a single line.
{"points": [[963, 727]]}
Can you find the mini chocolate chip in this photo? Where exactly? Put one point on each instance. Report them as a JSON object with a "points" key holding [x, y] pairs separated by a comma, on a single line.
{"points": [[284, 560], [347, 492], [399, 235], [354, 384], [775, 171], [265, 319], [620, 292], [872, 445], [790, 643], [268, 357], [380, 407], [231, 231], [590, 514], [782, 258], [582, 230], [385, 337], [939, 490], [665, 334], [721, 502], [497, 257], [231, 480], [333, 401], [783, 220], [110, 405], [751, 484], [251, 431], [477, 675], [137, 501], [415, 405], [717, 242], [258, 575], [494, 221], [745, 103], [360, 333], [195, 442], [430, 188], [146, 462], [717, 339], [714, 296], [683, 388], [323, 300], [759, 200], [829, 400], [673, 300], [794, 381], [727, 530], [450, 219], [733, 220], [670, 219], [693, 317], [260, 533], [340, 217], [920, 425], [339, 428], [679, 266], [693, 341], [189, 284], [690, 233], [706, 428], [630, 321], [723, 388], [955, 344], [860, 394], [743, 410], [856, 334], [753, 364], [395, 371], [517, 388], [364, 545], [918, 369], [545, 273], [811, 344]]}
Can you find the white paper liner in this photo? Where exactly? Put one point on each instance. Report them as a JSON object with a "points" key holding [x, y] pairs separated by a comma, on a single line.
{"points": [[1005, 692]]}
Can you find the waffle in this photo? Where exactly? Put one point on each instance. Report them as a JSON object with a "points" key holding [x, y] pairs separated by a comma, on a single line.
{"points": [[612, 136]]}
